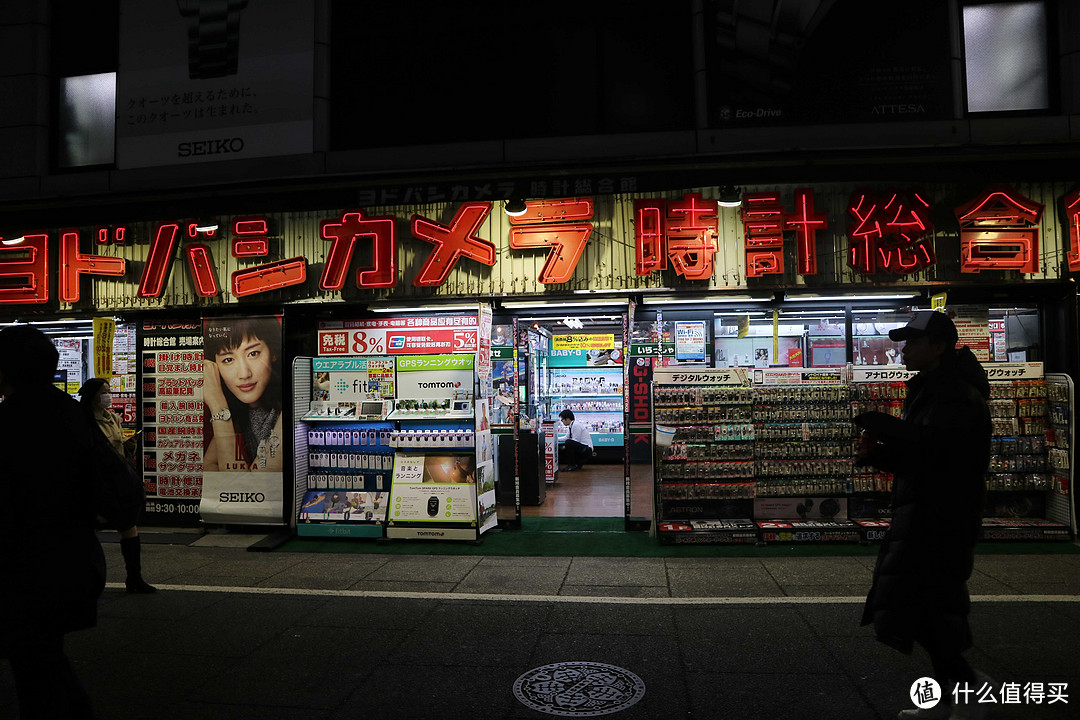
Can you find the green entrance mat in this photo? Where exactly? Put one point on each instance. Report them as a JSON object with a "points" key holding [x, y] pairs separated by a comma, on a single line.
{"points": [[605, 537]]}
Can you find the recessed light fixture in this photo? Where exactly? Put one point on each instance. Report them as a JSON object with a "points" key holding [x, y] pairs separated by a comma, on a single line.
{"points": [[515, 207], [730, 196]]}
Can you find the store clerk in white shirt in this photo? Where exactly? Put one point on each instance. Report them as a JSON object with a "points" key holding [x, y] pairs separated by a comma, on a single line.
{"points": [[579, 447]]}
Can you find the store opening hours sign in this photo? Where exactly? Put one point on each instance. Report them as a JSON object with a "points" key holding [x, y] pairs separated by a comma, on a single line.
{"points": [[400, 336]]}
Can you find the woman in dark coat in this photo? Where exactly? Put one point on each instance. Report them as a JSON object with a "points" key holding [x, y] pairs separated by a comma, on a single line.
{"points": [[939, 453], [52, 570]]}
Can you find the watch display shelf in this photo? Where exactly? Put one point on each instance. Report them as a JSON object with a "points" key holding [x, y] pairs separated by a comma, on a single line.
{"points": [[803, 440], [707, 471]]}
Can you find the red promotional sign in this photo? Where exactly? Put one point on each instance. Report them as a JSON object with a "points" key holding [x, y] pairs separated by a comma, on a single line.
{"points": [[400, 336]]}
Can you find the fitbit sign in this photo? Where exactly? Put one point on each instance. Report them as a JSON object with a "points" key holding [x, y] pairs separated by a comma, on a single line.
{"points": [[202, 81]]}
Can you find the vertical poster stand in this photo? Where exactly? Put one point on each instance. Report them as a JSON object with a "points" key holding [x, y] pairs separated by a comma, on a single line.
{"points": [[443, 484], [396, 441]]}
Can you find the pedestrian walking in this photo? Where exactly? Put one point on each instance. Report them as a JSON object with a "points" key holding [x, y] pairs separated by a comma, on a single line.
{"points": [[52, 570], [96, 397], [938, 451]]}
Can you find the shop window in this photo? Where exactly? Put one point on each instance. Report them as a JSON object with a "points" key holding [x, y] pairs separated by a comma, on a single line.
{"points": [[870, 337], [1005, 55], [746, 340]]}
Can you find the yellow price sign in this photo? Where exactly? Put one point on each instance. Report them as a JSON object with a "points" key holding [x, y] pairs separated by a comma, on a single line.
{"points": [[937, 302], [104, 330], [583, 342]]}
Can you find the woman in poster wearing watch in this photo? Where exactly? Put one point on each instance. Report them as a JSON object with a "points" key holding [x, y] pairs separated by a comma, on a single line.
{"points": [[242, 395]]}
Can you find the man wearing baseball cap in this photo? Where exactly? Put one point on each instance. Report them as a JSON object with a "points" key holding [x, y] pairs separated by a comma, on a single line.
{"points": [[938, 451]]}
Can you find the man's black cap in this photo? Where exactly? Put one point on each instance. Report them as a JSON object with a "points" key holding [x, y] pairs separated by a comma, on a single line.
{"points": [[936, 325]]}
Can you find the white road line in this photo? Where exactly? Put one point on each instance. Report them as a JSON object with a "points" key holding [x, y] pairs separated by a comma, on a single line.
{"points": [[602, 600]]}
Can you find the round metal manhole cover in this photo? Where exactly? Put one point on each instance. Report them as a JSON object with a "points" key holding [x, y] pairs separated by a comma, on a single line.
{"points": [[579, 689]]}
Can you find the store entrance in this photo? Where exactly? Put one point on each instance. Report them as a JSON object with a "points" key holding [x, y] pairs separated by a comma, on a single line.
{"points": [[575, 375]]}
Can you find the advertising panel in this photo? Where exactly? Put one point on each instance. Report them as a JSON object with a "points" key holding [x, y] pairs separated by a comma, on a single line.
{"points": [[243, 453], [348, 387], [400, 336], [202, 81], [690, 341], [434, 489], [172, 421]]}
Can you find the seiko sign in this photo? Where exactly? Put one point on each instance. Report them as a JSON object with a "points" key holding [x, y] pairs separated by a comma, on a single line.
{"points": [[220, 146], [235, 497]]}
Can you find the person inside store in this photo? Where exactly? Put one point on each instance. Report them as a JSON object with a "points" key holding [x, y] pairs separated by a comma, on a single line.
{"points": [[578, 448], [939, 452], [95, 396], [52, 570], [242, 395]]}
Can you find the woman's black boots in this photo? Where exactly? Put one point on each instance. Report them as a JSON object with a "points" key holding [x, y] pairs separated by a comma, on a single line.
{"points": [[131, 549]]}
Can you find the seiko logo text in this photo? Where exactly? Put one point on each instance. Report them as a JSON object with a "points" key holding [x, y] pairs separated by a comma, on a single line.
{"points": [[210, 147], [233, 497]]}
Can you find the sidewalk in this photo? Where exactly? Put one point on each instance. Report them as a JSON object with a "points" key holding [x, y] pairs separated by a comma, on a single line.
{"points": [[238, 634]]}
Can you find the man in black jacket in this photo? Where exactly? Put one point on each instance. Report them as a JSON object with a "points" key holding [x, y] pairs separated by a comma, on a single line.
{"points": [[939, 452], [52, 569]]}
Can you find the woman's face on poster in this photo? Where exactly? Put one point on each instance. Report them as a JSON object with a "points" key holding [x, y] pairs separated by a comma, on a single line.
{"points": [[245, 370]]}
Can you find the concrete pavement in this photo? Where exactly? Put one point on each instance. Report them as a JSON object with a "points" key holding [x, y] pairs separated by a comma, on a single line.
{"points": [[237, 634]]}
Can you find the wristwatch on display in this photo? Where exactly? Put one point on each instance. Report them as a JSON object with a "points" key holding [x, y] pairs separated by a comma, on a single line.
{"points": [[225, 414], [213, 36]]}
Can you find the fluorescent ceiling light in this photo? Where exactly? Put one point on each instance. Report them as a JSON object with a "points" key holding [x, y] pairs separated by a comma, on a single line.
{"points": [[817, 298], [752, 313], [60, 322], [556, 319], [878, 310], [538, 304], [424, 308], [820, 313], [702, 299], [622, 291]]}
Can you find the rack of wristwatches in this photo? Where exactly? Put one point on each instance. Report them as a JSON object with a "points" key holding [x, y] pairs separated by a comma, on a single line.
{"points": [[1058, 435], [711, 456], [1019, 410], [886, 397], [803, 442], [350, 458]]}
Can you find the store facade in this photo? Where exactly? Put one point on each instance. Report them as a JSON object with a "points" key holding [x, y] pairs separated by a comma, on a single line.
{"points": [[801, 277]]}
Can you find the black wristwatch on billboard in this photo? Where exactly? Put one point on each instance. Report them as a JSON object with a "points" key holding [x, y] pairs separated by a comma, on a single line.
{"points": [[213, 36]]}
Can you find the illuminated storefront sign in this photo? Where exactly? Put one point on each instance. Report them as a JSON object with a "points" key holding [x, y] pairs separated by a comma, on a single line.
{"points": [[683, 231], [765, 220], [999, 231], [889, 233], [453, 243], [1072, 211], [549, 223]]}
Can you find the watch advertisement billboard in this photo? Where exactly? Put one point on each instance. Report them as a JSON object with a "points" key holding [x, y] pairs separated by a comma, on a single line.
{"points": [[208, 80], [243, 454]]}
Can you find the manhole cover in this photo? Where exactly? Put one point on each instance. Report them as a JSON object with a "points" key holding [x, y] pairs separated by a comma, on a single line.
{"points": [[579, 689]]}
